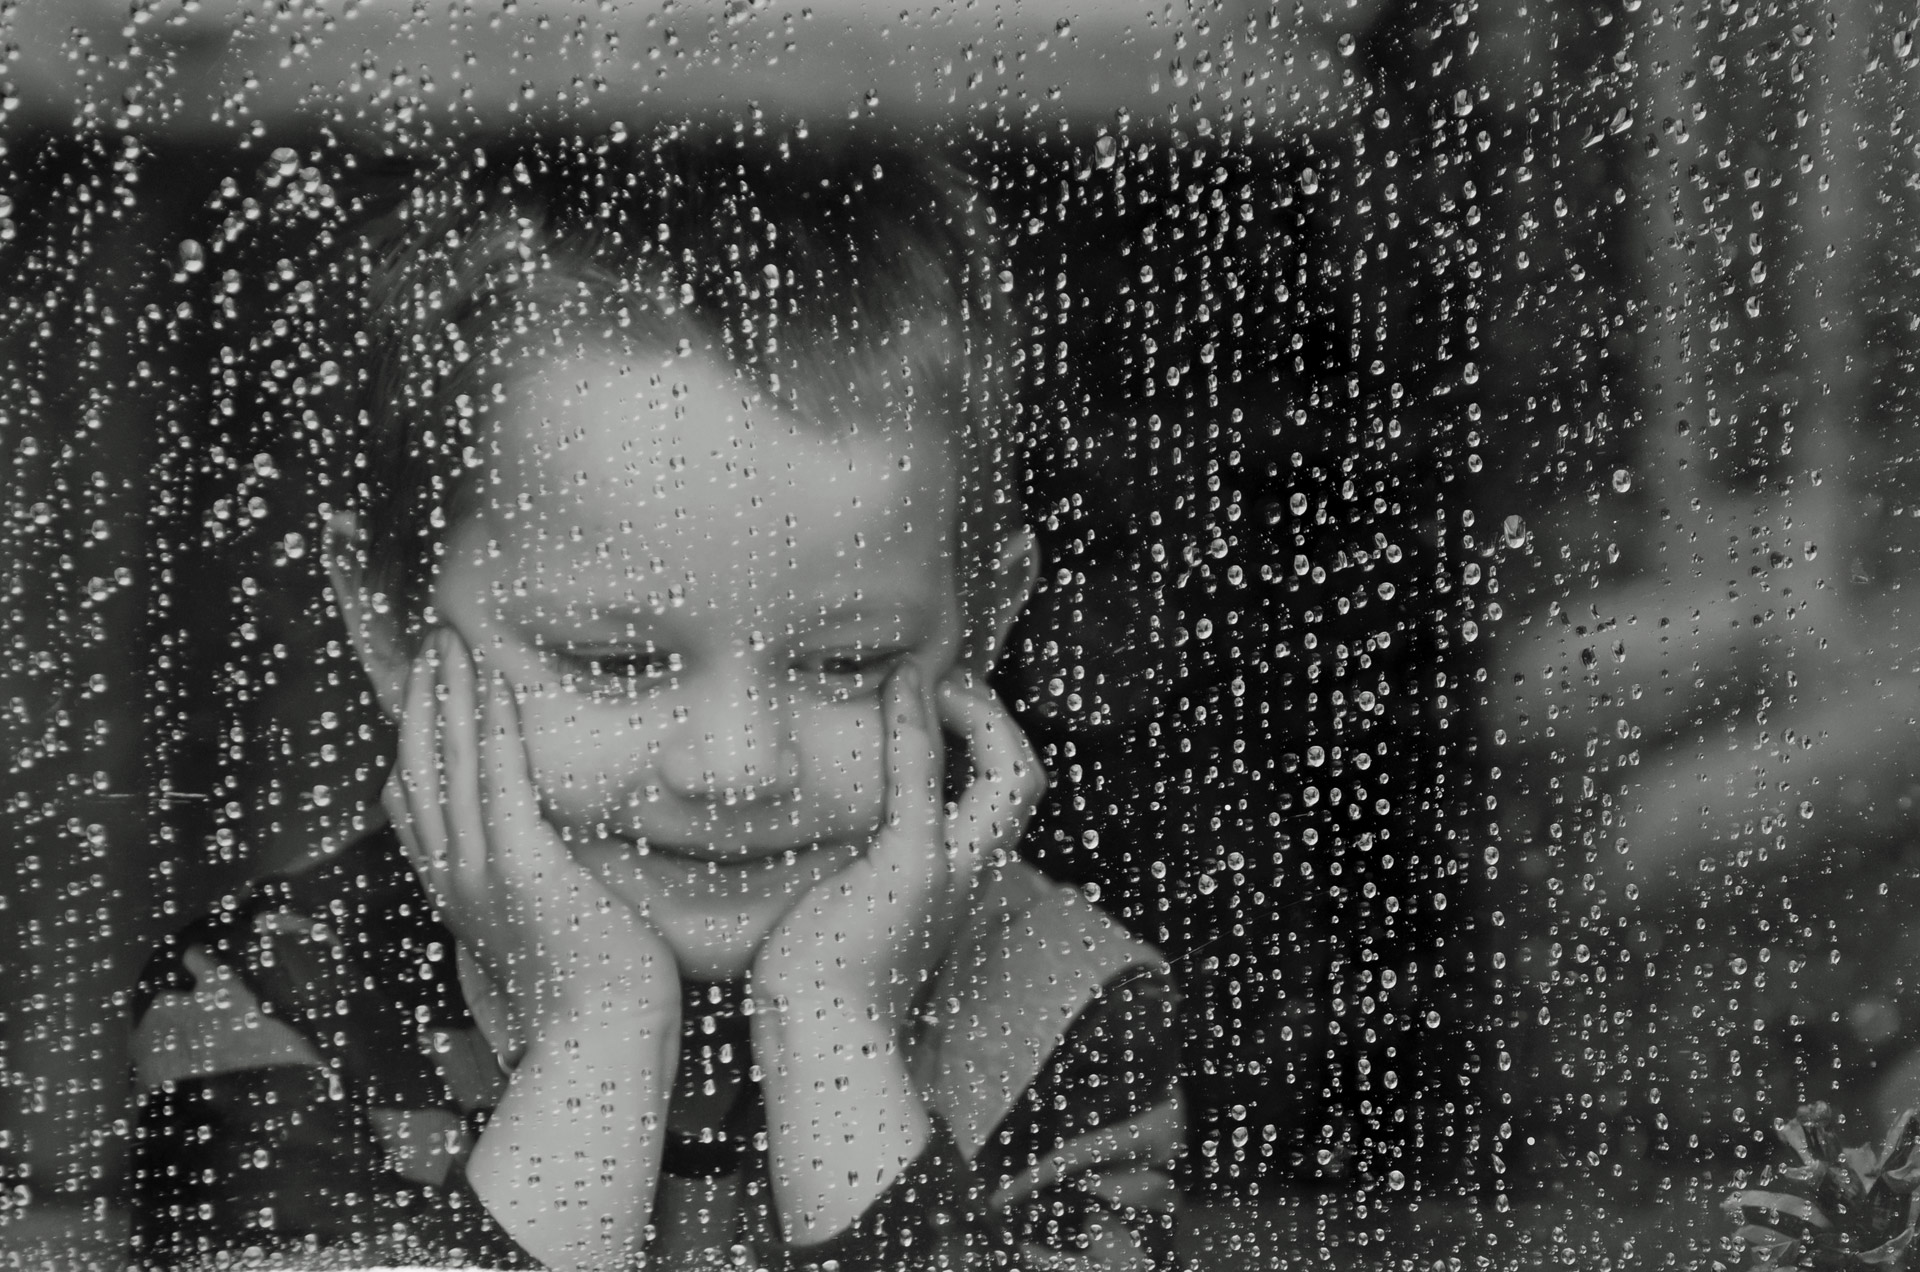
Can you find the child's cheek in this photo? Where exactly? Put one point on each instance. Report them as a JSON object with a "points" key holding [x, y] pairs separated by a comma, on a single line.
{"points": [[580, 767], [860, 741], [843, 759]]}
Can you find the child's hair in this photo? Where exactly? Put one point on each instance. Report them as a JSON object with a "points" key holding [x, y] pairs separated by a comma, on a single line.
{"points": [[826, 274]]}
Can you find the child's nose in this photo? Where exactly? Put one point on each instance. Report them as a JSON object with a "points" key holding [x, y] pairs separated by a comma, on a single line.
{"points": [[736, 746]]}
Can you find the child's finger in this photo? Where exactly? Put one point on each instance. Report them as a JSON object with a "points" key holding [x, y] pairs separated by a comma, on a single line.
{"points": [[910, 837], [416, 807], [906, 870], [1008, 779], [460, 760], [509, 802]]}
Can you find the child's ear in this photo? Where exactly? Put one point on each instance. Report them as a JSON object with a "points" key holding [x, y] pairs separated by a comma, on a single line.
{"points": [[375, 630], [1006, 589]]}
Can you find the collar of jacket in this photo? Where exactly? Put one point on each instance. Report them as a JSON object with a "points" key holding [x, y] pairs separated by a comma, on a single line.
{"points": [[1034, 955]]}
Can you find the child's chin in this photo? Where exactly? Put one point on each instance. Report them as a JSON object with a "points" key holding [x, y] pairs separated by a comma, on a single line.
{"points": [[716, 963], [715, 950]]}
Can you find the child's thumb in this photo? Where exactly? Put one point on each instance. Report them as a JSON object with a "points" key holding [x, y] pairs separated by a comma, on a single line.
{"points": [[393, 799]]}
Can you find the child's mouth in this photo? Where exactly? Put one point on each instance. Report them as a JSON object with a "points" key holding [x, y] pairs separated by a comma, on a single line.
{"points": [[718, 858], [717, 853]]}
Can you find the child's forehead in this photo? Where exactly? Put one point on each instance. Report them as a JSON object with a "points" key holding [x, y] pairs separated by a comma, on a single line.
{"points": [[645, 437], [647, 398]]}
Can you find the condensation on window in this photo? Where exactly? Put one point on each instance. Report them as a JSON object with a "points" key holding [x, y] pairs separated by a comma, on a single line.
{"points": [[1244, 633]]}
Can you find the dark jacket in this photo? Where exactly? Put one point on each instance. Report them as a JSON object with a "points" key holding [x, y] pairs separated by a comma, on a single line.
{"points": [[311, 1079]]}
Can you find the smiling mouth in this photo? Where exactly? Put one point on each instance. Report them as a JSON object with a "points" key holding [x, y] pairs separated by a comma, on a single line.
{"points": [[730, 858]]}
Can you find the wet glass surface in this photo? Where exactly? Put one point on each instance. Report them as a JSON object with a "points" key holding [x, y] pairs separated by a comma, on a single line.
{"points": [[1465, 447]]}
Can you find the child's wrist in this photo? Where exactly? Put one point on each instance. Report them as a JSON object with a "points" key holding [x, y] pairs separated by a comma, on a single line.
{"points": [[582, 998], [861, 1009], [821, 1021], [773, 985], [579, 1000]]}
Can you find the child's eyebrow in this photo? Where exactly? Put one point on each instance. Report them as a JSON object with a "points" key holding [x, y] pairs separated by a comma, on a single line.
{"points": [[536, 608], [635, 619], [882, 612]]}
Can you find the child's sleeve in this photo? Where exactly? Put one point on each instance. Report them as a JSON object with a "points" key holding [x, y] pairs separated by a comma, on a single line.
{"points": [[259, 1133], [1078, 1177]]}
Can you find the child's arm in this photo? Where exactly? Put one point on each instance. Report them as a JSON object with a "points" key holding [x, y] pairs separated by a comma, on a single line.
{"points": [[1076, 1177], [1079, 1173], [846, 969], [292, 1102], [570, 1157]]}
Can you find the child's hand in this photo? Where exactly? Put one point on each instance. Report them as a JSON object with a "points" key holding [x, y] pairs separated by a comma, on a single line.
{"points": [[553, 939], [877, 932]]}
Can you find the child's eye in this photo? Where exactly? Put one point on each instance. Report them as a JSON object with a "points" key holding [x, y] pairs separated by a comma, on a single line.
{"points": [[633, 666], [620, 671], [851, 668], [855, 663]]}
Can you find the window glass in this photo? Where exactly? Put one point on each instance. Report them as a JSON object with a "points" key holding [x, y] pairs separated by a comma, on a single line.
{"points": [[1462, 636]]}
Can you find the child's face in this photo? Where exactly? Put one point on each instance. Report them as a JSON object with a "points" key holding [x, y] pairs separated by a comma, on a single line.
{"points": [[700, 596]]}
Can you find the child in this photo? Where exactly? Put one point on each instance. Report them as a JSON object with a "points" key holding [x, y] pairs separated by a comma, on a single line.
{"points": [[694, 935]]}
